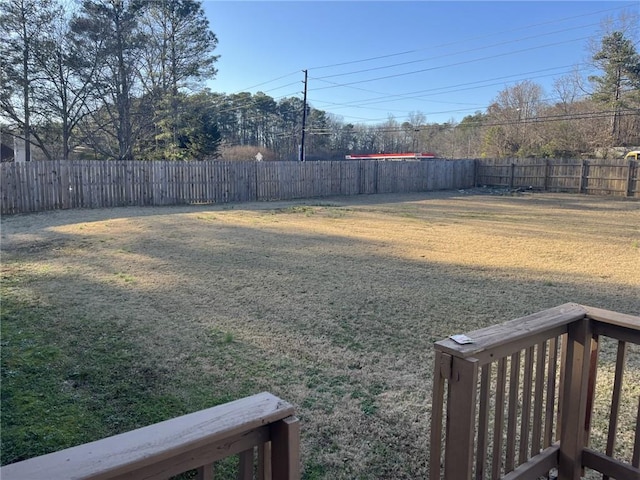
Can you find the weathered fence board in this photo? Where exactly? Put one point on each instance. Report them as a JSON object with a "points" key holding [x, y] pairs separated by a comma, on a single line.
{"points": [[38, 186], [597, 177]]}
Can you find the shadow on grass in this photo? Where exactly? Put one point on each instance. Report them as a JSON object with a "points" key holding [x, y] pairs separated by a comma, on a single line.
{"points": [[333, 324]]}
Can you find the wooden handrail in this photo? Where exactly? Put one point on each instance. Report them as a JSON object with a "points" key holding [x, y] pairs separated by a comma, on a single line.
{"points": [[501, 340], [178, 445], [548, 419]]}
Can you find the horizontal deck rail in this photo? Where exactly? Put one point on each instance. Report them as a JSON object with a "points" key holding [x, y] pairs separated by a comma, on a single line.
{"points": [[262, 422], [520, 398]]}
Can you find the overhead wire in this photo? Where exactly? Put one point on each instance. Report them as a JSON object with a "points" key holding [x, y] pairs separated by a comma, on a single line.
{"points": [[267, 82], [423, 49], [580, 27], [364, 104], [524, 121], [387, 97], [384, 98], [526, 27], [465, 62]]}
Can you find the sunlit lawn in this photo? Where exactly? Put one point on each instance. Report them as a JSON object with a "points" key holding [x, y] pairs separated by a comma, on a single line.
{"points": [[114, 319]]}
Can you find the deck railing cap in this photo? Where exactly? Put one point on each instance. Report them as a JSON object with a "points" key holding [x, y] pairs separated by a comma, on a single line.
{"points": [[138, 448], [513, 331]]}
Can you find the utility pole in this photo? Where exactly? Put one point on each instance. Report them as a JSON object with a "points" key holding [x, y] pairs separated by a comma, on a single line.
{"points": [[304, 117]]}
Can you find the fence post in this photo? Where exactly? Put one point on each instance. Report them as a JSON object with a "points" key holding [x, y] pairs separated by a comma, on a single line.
{"points": [[461, 416], [630, 178], [476, 165], [513, 167], [583, 172], [546, 174], [575, 389]]}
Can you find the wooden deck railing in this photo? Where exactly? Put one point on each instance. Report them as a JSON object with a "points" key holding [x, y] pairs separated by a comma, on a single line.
{"points": [[261, 423], [519, 399]]}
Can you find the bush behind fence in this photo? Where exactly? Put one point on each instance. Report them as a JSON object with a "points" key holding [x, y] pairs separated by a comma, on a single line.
{"points": [[49, 185]]}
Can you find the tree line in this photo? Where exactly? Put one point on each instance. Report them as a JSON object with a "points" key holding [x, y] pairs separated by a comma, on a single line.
{"points": [[117, 78], [122, 79]]}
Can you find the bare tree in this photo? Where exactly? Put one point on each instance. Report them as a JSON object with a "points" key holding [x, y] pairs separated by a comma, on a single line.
{"points": [[106, 30], [514, 111], [23, 23]]}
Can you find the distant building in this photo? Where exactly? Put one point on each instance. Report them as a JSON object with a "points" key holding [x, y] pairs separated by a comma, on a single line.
{"points": [[392, 156]]}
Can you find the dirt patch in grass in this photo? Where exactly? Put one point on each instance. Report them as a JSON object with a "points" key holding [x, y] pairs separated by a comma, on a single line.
{"points": [[333, 305]]}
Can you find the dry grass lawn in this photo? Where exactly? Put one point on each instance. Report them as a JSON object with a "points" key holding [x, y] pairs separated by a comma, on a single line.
{"points": [[332, 304]]}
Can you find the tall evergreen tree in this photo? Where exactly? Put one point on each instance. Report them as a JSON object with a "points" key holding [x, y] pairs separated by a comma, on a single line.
{"points": [[106, 30], [178, 52], [618, 88]]}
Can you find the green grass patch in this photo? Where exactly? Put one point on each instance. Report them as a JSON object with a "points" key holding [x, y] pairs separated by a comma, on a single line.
{"points": [[67, 381], [307, 210], [339, 320]]}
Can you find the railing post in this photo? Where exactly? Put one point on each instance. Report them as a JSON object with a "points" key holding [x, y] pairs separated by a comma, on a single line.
{"points": [[576, 383], [264, 461], [285, 449], [442, 373], [205, 472], [461, 416], [245, 467]]}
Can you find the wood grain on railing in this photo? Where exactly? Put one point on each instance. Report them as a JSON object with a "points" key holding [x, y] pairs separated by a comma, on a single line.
{"points": [[534, 409], [193, 441]]}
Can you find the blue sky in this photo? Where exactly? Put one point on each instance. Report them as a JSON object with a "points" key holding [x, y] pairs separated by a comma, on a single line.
{"points": [[368, 60]]}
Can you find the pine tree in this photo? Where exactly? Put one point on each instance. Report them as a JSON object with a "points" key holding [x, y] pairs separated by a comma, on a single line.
{"points": [[178, 52], [106, 30], [619, 86]]}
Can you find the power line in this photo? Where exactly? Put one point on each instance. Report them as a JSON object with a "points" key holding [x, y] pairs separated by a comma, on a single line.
{"points": [[363, 104], [580, 27], [266, 82], [519, 29], [523, 121], [388, 97], [449, 65]]}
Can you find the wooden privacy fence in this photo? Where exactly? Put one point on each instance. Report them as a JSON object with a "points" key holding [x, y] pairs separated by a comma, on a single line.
{"points": [[38, 186], [259, 429], [598, 177], [518, 408]]}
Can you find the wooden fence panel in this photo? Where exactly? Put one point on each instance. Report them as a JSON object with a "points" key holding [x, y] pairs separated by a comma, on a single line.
{"points": [[370, 183], [607, 178], [386, 177], [38, 186], [597, 177]]}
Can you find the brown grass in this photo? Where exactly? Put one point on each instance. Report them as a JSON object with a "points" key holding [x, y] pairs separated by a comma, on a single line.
{"points": [[333, 305]]}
